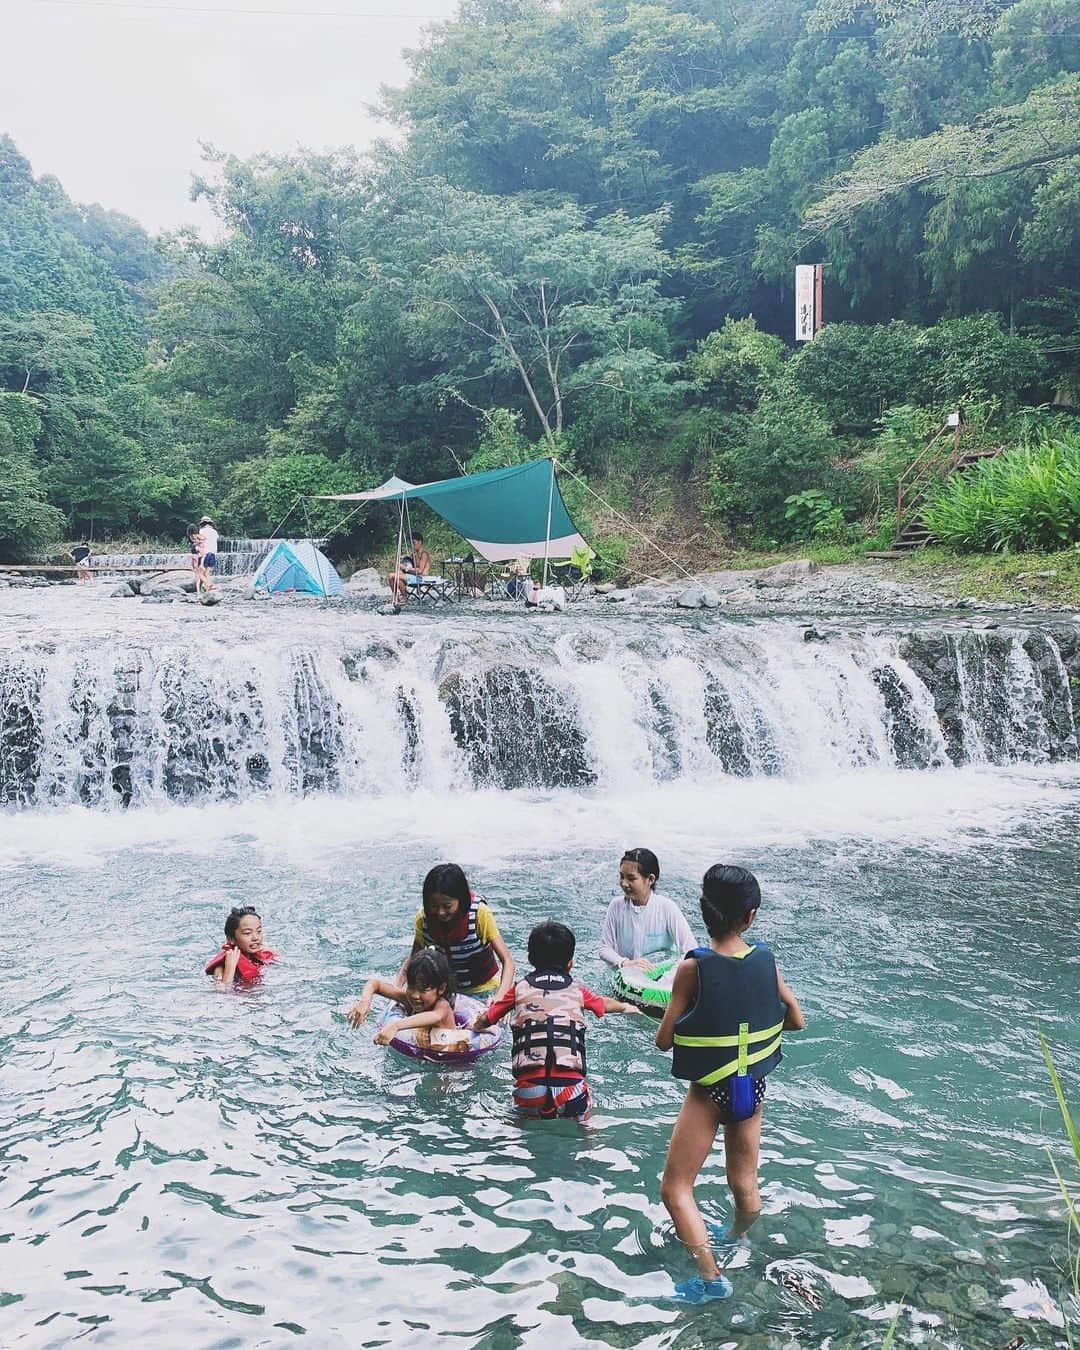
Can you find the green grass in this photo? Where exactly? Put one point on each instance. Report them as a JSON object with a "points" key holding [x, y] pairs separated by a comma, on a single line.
{"points": [[1013, 577]]}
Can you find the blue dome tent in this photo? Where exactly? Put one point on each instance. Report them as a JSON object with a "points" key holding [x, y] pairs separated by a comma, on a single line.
{"points": [[297, 565]]}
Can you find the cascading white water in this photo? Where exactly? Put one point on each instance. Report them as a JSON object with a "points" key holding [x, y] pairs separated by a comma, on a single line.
{"points": [[513, 706]]}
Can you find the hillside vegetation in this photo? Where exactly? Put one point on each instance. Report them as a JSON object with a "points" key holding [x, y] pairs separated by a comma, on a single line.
{"points": [[581, 241]]}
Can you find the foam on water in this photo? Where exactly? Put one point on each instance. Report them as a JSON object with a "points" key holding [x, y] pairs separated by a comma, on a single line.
{"points": [[185, 1165]]}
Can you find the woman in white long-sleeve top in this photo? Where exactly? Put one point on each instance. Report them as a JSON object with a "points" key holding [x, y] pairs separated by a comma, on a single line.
{"points": [[643, 927]]}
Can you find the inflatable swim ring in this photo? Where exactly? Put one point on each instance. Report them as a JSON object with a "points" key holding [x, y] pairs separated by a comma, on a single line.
{"points": [[649, 990], [465, 1009]]}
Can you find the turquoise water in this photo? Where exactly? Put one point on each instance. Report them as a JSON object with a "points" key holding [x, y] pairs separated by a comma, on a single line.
{"points": [[184, 1165]]}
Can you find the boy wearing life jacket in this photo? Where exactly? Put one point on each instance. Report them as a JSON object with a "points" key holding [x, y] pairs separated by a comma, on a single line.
{"points": [[243, 955], [547, 1022], [460, 924], [728, 1011]]}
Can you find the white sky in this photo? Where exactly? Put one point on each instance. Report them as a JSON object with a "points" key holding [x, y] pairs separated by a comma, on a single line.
{"points": [[113, 98]]}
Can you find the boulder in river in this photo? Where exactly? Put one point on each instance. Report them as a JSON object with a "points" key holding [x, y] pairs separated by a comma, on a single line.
{"points": [[692, 598]]}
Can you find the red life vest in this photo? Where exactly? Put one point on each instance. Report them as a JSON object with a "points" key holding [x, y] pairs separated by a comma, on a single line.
{"points": [[473, 962], [548, 1025], [248, 968]]}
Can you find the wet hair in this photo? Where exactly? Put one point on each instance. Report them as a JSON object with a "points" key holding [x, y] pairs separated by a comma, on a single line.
{"points": [[417, 536], [447, 879], [429, 969], [551, 946], [232, 923], [644, 859], [191, 529], [729, 895]]}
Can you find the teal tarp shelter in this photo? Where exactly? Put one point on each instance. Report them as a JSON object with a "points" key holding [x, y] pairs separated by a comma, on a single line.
{"points": [[504, 513], [297, 565]]}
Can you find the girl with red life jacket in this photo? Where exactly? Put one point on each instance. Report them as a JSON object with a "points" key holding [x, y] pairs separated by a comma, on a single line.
{"points": [[547, 1018], [729, 1009], [242, 956], [427, 1000], [460, 924]]}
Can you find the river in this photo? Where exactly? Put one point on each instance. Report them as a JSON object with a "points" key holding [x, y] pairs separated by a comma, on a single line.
{"points": [[183, 1165]]}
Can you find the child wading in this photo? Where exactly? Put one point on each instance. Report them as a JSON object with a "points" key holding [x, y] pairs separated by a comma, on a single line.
{"points": [[728, 1011], [641, 926], [242, 956], [548, 1024], [460, 924]]}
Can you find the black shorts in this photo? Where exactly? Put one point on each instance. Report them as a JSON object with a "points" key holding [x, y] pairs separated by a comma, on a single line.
{"points": [[720, 1096]]}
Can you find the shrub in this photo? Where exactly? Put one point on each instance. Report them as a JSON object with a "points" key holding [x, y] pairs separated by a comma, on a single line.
{"points": [[734, 365], [784, 446], [812, 514], [1027, 498], [855, 371]]}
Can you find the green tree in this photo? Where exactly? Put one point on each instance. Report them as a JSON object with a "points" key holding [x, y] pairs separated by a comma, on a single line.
{"points": [[27, 522], [539, 300]]}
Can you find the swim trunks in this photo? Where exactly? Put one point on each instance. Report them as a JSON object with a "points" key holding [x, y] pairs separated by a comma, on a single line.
{"points": [[546, 1098], [720, 1096], [209, 560]]}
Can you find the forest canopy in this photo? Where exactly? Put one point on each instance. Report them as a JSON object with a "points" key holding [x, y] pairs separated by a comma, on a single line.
{"points": [[580, 239]]}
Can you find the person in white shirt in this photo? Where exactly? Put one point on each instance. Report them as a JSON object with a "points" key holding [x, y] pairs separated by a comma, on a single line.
{"points": [[643, 927], [208, 547]]}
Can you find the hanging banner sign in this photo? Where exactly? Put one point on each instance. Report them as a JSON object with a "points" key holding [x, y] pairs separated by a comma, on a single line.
{"points": [[805, 309]]}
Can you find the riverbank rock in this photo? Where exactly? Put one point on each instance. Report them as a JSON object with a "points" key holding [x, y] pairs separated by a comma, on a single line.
{"points": [[210, 598], [786, 573], [366, 582], [692, 598], [740, 599], [619, 597]]}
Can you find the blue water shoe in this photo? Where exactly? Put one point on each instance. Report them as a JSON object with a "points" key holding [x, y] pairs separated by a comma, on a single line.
{"points": [[698, 1290]]}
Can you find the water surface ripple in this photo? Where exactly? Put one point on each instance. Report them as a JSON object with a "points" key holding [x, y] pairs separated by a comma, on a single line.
{"points": [[182, 1165]]}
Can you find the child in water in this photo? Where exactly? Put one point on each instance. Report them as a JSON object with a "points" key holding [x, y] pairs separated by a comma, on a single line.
{"points": [[728, 1011], [642, 927], [548, 1024], [242, 955], [428, 998], [460, 924]]}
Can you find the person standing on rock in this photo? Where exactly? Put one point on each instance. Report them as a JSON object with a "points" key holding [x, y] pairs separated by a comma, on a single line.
{"points": [[80, 555], [208, 542], [195, 543]]}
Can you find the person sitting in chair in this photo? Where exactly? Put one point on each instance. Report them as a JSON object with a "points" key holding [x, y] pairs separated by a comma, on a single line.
{"points": [[412, 571]]}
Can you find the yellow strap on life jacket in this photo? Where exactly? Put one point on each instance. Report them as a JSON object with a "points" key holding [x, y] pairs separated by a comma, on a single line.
{"points": [[734, 1067], [752, 1037]]}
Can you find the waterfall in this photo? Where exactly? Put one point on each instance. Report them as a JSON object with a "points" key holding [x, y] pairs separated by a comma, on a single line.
{"points": [[235, 557], [200, 718]]}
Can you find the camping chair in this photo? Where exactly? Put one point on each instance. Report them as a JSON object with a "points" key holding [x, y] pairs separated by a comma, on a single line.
{"points": [[573, 574], [433, 590]]}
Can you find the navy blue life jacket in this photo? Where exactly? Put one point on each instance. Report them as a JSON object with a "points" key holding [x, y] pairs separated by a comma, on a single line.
{"points": [[737, 1021]]}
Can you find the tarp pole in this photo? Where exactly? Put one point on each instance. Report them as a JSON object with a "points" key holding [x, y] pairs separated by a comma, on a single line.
{"points": [[400, 530], [547, 537]]}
